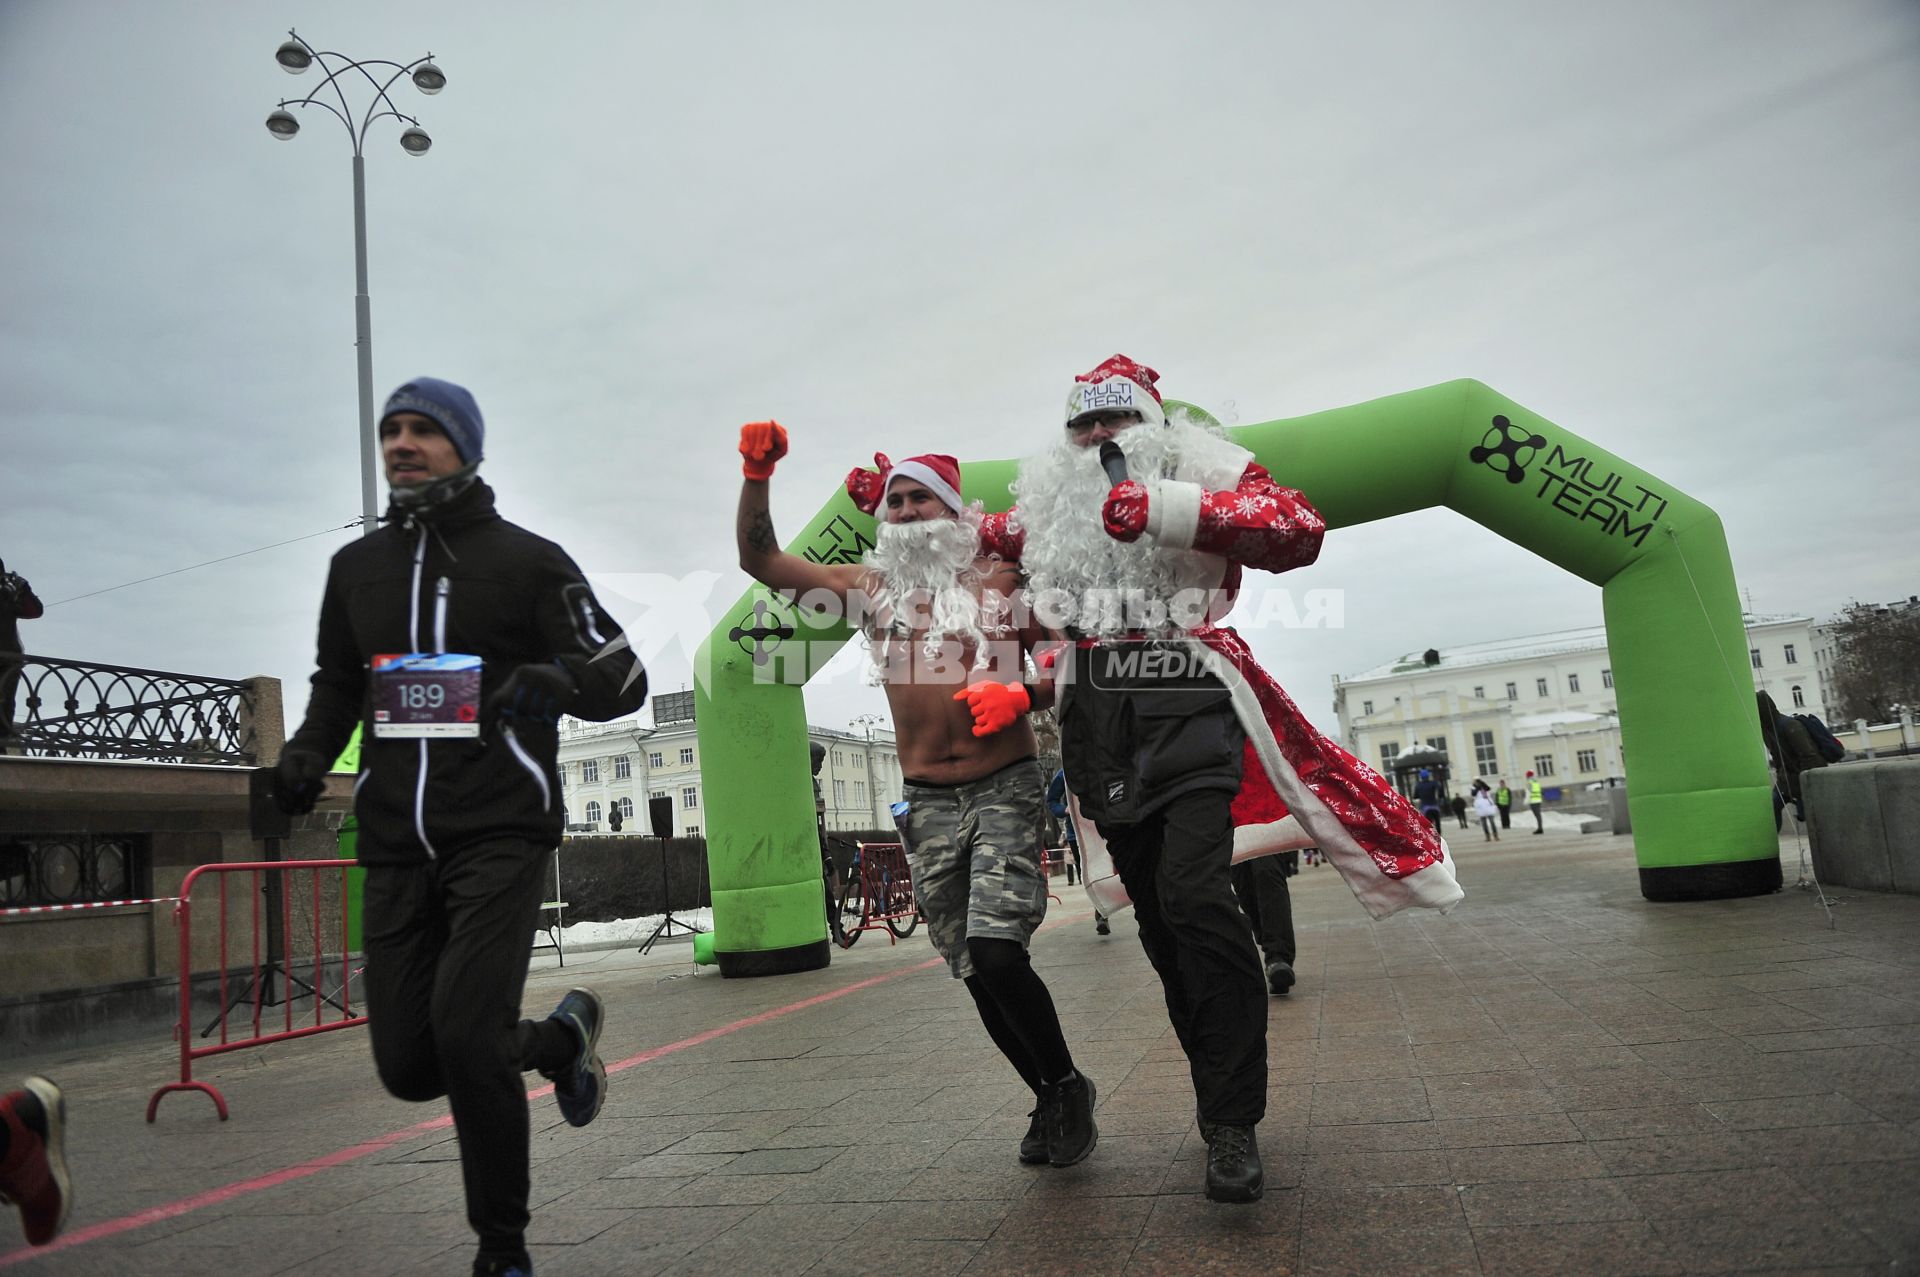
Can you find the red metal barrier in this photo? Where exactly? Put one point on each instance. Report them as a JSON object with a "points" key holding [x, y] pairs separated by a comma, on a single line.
{"points": [[281, 882], [881, 896], [1046, 869]]}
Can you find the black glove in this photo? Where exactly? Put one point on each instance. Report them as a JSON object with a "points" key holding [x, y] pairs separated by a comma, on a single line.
{"points": [[531, 693], [299, 778]]}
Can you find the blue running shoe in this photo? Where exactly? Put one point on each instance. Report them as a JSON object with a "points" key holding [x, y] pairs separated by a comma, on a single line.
{"points": [[580, 1087]]}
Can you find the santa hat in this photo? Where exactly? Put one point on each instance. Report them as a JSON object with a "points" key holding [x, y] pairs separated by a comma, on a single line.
{"points": [[939, 472], [1118, 385]]}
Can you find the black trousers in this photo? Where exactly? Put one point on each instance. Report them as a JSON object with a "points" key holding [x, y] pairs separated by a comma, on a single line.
{"points": [[1261, 887], [447, 945], [1175, 866], [1506, 818]]}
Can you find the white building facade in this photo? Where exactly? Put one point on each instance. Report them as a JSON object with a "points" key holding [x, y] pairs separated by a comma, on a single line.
{"points": [[1543, 703], [626, 762]]}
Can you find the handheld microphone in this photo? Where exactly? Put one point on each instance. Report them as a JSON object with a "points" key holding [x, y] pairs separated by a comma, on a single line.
{"points": [[1114, 462]]}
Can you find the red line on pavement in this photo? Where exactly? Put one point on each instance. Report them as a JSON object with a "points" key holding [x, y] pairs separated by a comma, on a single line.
{"points": [[241, 1188]]}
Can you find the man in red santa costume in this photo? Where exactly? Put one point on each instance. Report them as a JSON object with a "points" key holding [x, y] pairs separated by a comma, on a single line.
{"points": [[1178, 747]]}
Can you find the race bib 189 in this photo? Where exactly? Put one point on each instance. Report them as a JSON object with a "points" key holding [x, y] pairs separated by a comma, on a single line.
{"points": [[426, 694]]}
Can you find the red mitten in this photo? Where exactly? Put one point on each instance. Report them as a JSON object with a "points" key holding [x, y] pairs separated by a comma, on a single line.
{"points": [[995, 706], [762, 443], [1125, 512], [868, 488]]}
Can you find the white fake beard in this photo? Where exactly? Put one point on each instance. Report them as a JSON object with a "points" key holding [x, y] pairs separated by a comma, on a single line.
{"points": [[1079, 577], [926, 578]]}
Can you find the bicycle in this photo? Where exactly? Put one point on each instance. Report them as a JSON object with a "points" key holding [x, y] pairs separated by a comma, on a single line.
{"points": [[878, 892]]}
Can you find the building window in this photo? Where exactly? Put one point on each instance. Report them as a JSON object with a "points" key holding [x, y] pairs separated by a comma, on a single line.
{"points": [[1799, 697], [1588, 760], [1388, 752], [1753, 654], [626, 808], [564, 777], [860, 762], [1366, 707], [839, 793], [622, 767], [693, 831], [686, 756], [1437, 743], [1573, 682], [1513, 691], [657, 793], [1485, 760], [859, 793], [1606, 678], [1791, 658], [1540, 687], [593, 813], [653, 758], [589, 771], [1543, 765], [1480, 693], [690, 797]]}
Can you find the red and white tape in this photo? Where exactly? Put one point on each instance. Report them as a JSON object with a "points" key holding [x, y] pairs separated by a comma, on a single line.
{"points": [[92, 904]]}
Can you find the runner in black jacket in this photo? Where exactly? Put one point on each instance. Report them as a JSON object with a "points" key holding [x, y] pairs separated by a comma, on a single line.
{"points": [[456, 827]]}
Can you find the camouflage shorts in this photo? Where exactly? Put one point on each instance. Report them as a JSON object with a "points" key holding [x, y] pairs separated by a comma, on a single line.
{"points": [[975, 852]]}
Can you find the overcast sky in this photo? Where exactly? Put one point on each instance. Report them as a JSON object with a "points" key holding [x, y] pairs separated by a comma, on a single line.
{"points": [[1685, 231]]}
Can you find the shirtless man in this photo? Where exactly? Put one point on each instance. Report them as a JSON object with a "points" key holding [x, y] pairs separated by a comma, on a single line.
{"points": [[936, 613]]}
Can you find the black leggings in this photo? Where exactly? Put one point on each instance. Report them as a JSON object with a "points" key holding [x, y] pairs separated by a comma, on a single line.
{"points": [[1017, 1011]]}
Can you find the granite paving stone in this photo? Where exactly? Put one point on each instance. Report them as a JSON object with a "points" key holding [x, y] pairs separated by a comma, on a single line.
{"points": [[1557, 1078]]}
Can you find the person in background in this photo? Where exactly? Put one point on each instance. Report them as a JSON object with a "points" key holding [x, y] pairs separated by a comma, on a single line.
{"points": [[1260, 885], [1057, 804], [17, 603], [1459, 802], [1503, 800], [1536, 803], [1426, 796], [1484, 808]]}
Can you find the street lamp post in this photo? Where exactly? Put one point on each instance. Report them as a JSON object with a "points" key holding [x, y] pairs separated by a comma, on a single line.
{"points": [[294, 57], [869, 722]]}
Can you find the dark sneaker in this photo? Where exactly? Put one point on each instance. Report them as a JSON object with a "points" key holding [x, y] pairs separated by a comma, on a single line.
{"points": [[1233, 1165], [1071, 1133], [493, 1266], [580, 1087], [1100, 927], [33, 1173], [1033, 1145], [1279, 978]]}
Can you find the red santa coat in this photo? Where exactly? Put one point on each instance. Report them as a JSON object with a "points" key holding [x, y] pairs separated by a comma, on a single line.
{"points": [[1298, 788]]}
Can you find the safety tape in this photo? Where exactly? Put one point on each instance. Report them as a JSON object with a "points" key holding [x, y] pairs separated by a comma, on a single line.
{"points": [[19, 910]]}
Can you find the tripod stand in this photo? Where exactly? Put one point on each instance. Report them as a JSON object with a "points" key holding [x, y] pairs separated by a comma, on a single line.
{"points": [[667, 922], [262, 983]]}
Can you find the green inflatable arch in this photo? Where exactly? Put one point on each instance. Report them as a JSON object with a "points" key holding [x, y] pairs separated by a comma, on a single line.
{"points": [[1698, 787]]}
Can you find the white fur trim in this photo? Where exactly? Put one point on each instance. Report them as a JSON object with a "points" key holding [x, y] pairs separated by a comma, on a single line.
{"points": [[1115, 394], [1430, 888], [1173, 513], [927, 475]]}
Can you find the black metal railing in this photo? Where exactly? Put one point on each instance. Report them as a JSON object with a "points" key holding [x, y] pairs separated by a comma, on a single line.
{"points": [[71, 869], [77, 709]]}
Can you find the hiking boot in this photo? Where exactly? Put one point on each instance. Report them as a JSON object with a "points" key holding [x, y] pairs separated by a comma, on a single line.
{"points": [[1279, 978], [33, 1172], [1233, 1165], [580, 1087], [1033, 1145], [1071, 1133]]}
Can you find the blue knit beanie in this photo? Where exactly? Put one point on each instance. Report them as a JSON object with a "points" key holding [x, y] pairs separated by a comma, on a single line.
{"points": [[450, 406]]}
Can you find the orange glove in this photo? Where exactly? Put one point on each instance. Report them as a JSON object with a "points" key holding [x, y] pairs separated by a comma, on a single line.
{"points": [[995, 706], [762, 443]]}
